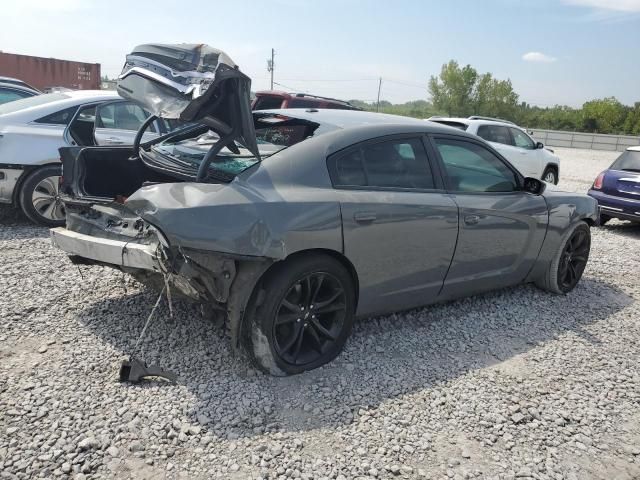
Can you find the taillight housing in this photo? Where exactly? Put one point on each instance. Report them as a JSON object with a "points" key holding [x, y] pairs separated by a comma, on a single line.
{"points": [[597, 184]]}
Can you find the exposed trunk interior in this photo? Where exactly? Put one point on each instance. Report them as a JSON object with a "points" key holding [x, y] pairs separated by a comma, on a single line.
{"points": [[108, 172]]}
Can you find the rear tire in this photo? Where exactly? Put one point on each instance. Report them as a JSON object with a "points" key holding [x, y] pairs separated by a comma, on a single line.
{"points": [[550, 175], [39, 198], [567, 265], [304, 318]]}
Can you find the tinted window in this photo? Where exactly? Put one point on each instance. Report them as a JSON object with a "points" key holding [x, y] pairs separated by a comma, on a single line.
{"points": [[268, 102], [472, 168], [31, 102], [9, 95], [629, 160], [302, 103], [522, 140], [63, 117], [394, 164], [495, 133]]}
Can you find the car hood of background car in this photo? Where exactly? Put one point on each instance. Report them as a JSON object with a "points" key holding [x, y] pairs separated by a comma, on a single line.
{"points": [[193, 83]]}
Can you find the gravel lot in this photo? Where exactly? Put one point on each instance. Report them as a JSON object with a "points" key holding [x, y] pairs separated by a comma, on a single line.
{"points": [[514, 384]]}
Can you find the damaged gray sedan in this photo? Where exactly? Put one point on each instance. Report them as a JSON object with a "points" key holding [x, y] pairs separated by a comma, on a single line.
{"points": [[291, 223]]}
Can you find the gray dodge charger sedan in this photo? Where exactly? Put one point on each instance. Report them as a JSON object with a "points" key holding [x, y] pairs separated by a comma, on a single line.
{"points": [[291, 223]]}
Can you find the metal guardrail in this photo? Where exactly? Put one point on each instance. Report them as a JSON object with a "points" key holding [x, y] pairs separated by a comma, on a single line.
{"points": [[590, 141]]}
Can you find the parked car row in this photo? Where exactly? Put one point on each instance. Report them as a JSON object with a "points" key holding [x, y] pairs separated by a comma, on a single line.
{"points": [[292, 222]]}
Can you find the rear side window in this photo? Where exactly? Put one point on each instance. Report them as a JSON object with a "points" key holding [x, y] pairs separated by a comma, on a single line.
{"points": [[391, 164], [121, 116], [63, 117], [268, 102], [473, 168], [302, 103], [495, 133], [629, 160]]}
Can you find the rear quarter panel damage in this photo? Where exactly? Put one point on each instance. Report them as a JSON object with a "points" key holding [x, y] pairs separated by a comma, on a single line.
{"points": [[565, 209]]}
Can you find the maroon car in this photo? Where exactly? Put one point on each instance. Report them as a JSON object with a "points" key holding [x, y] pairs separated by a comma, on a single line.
{"points": [[272, 99]]}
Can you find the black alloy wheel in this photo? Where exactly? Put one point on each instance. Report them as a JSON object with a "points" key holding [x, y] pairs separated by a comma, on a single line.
{"points": [[310, 319], [573, 259]]}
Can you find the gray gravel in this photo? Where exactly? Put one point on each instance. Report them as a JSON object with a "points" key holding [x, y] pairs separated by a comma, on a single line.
{"points": [[514, 384]]}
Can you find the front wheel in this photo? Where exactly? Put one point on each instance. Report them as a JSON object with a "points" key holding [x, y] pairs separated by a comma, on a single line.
{"points": [[305, 317], [39, 197], [550, 175], [568, 264]]}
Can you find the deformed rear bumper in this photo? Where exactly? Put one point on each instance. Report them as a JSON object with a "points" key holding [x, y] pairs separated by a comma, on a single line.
{"points": [[109, 251]]}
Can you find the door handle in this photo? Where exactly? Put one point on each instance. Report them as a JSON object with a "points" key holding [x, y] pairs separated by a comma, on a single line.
{"points": [[113, 140], [471, 219], [364, 217]]}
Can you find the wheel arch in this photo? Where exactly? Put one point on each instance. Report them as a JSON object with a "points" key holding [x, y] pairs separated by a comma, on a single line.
{"points": [[28, 170], [242, 306]]}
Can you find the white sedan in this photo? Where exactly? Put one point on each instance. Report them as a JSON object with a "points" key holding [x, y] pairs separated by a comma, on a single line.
{"points": [[33, 129]]}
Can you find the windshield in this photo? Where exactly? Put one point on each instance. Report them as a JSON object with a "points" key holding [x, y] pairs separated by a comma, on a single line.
{"points": [[273, 134], [629, 160], [31, 102]]}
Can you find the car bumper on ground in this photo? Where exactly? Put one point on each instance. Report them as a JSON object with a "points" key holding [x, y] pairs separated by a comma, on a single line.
{"points": [[104, 250], [617, 207], [8, 180]]}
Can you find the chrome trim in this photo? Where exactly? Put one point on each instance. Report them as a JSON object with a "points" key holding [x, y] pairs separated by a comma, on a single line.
{"points": [[105, 250], [603, 207], [184, 89]]}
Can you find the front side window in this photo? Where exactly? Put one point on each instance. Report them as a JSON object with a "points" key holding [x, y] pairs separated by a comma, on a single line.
{"points": [[390, 164], [121, 116], [495, 133], [472, 168], [522, 140]]}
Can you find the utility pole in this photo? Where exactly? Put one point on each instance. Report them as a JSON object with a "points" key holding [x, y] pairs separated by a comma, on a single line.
{"points": [[379, 87], [270, 66]]}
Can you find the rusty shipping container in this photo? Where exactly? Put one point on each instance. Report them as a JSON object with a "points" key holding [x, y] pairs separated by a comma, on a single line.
{"points": [[44, 73]]}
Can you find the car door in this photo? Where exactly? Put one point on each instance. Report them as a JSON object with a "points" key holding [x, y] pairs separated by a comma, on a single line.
{"points": [[527, 148], [118, 122], [399, 225], [501, 227], [500, 138]]}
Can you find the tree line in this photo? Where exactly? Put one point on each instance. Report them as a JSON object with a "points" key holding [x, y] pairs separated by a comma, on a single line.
{"points": [[461, 91]]}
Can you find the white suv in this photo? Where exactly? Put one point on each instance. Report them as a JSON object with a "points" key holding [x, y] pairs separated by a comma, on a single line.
{"points": [[513, 142]]}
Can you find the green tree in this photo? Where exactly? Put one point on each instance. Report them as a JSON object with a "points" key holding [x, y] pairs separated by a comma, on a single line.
{"points": [[462, 92], [453, 90], [632, 121], [605, 115]]}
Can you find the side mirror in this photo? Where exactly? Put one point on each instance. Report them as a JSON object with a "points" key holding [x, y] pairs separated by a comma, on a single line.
{"points": [[539, 145], [534, 186]]}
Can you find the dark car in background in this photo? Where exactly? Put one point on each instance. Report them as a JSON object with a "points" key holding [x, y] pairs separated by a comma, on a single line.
{"points": [[272, 99], [617, 189]]}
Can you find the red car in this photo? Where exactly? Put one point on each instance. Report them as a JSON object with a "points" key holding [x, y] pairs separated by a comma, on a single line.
{"points": [[272, 99]]}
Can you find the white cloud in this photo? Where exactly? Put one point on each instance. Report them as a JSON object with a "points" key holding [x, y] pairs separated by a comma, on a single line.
{"points": [[629, 6], [538, 57]]}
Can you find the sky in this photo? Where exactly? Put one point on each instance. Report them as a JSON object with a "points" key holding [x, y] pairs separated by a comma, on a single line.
{"points": [[554, 51]]}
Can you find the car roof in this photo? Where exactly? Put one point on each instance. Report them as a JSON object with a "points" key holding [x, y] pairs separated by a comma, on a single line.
{"points": [[16, 86], [349, 127], [469, 121], [344, 119]]}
